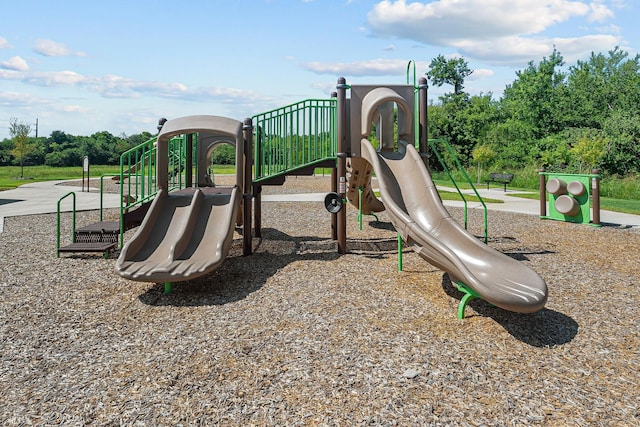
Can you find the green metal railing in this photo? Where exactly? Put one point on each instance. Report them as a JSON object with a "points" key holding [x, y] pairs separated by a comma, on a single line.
{"points": [[411, 67], [138, 173], [102, 177], [73, 220], [138, 170], [432, 144], [293, 137]]}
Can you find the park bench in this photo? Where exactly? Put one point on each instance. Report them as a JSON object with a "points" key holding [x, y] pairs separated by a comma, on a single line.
{"points": [[502, 178]]}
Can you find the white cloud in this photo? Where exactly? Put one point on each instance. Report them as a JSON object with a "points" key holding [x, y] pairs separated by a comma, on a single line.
{"points": [[600, 12], [480, 74], [21, 100], [516, 50], [4, 43], [11, 74], [51, 48], [496, 31], [374, 67], [16, 64], [72, 109], [458, 19], [114, 86], [54, 78]]}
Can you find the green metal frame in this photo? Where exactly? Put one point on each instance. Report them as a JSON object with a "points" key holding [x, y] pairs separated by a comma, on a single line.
{"points": [[360, 214], [452, 153], [294, 137], [411, 66], [73, 221], [469, 295], [138, 169], [102, 192]]}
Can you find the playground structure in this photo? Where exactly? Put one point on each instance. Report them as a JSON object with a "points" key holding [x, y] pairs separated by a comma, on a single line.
{"points": [[187, 233], [187, 228], [571, 197]]}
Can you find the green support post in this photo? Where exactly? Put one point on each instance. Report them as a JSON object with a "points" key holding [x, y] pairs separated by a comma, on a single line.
{"points": [[399, 252], [73, 221], [469, 295], [360, 207], [167, 288]]}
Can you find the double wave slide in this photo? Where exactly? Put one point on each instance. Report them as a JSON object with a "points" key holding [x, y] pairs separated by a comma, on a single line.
{"points": [[186, 233], [416, 210]]}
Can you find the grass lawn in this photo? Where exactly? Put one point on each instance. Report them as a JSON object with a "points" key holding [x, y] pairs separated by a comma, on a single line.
{"points": [[10, 175], [450, 195]]}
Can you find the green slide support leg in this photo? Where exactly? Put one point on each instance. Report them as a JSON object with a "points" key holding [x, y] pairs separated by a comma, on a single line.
{"points": [[469, 295], [399, 252], [167, 288]]}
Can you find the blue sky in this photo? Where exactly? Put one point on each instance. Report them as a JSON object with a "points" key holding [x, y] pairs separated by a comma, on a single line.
{"points": [[117, 65]]}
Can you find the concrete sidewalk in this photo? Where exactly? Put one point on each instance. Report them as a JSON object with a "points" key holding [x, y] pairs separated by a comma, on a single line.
{"points": [[42, 197], [511, 203]]}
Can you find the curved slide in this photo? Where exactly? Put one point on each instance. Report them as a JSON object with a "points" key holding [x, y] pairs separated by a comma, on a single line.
{"points": [[184, 235], [417, 213]]}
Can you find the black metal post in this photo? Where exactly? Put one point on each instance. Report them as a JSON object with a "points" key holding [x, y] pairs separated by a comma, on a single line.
{"points": [[247, 189]]}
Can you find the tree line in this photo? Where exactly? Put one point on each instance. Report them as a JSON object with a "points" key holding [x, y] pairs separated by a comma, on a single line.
{"points": [[564, 119], [573, 120], [62, 149]]}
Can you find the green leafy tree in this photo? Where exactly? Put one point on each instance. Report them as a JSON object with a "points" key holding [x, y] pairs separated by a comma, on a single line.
{"points": [[622, 154], [483, 154], [512, 140], [464, 121], [22, 147], [601, 85], [536, 96], [588, 151], [223, 154], [451, 71], [552, 153]]}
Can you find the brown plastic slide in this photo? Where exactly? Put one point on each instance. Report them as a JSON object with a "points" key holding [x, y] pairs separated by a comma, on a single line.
{"points": [[417, 213], [186, 233]]}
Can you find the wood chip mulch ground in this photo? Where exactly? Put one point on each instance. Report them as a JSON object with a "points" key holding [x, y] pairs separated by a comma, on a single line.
{"points": [[297, 334]]}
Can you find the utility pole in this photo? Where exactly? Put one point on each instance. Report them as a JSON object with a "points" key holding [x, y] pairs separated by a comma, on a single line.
{"points": [[36, 127]]}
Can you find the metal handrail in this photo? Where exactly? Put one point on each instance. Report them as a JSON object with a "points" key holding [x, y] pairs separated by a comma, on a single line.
{"points": [[139, 163], [102, 191], [433, 147], [73, 216], [416, 109], [293, 137]]}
